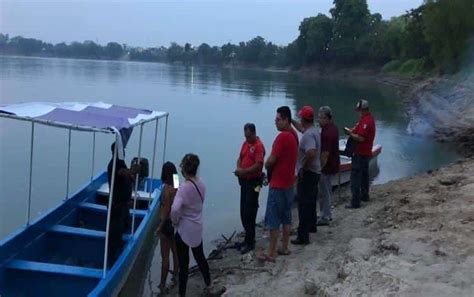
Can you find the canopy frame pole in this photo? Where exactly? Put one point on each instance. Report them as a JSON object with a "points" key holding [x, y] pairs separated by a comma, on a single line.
{"points": [[93, 155], [31, 172], [153, 164], [68, 163], [109, 208], [166, 137], [135, 194]]}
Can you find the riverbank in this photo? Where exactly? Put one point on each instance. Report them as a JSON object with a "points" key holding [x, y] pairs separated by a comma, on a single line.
{"points": [[409, 240]]}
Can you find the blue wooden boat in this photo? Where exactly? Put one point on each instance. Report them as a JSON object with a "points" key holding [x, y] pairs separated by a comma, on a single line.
{"points": [[64, 252]]}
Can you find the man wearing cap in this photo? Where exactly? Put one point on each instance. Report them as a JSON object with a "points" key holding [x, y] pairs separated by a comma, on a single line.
{"points": [[309, 170], [249, 172], [329, 163], [363, 134]]}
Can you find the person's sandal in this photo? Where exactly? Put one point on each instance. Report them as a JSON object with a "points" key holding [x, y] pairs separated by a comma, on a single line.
{"points": [[282, 252], [266, 258]]}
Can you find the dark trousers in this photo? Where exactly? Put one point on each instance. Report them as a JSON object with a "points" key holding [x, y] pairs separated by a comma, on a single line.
{"points": [[359, 179], [119, 220], [183, 257], [249, 208], [307, 192]]}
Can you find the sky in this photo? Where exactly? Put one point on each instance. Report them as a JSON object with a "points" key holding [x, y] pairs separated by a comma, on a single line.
{"points": [[157, 23]]}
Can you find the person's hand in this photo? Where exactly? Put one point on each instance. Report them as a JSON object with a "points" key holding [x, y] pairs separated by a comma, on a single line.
{"points": [[136, 168], [239, 172], [347, 131], [158, 231], [301, 173]]}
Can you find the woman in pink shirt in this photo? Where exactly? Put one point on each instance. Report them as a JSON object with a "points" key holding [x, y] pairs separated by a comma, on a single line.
{"points": [[186, 214]]}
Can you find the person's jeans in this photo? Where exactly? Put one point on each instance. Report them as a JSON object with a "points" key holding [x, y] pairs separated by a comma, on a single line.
{"points": [[182, 250], [307, 191], [249, 208], [359, 179], [325, 197]]}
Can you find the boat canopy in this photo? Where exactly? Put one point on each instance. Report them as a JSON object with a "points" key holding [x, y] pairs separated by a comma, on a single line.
{"points": [[94, 117]]}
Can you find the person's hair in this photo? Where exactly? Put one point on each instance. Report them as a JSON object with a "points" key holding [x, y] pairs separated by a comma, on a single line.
{"points": [[326, 110], [167, 172], [285, 113], [250, 127], [190, 164]]}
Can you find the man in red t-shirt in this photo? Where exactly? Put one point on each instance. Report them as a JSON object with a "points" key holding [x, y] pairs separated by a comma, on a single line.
{"points": [[249, 172], [282, 165], [363, 133]]}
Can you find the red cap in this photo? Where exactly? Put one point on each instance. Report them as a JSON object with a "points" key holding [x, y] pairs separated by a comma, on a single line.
{"points": [[306, 113]]}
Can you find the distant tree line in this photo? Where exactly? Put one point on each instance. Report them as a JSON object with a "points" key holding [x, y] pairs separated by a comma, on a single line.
{"points": [[436, 35]]}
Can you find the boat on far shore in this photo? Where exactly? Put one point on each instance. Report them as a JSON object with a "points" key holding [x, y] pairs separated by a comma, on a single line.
{"points": [[345, 166]]}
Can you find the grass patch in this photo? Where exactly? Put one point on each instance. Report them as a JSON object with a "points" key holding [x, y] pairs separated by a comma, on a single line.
{"points": [[411, 67], [392, 66]]}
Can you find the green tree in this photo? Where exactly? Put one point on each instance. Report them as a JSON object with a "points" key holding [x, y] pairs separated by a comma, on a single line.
{"points": [[448, 25], [175, 52], [351, 21], [114, 50], [314, 39]]}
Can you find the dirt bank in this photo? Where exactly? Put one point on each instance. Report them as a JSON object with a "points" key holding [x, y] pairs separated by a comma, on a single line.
{"points": [[409, 240], [444, 108]]}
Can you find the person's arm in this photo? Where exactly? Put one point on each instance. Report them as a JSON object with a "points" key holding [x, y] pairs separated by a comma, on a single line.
{"points": [[129, 173], [310, 155], [324, 158], [297, 126], [177, 205], [252, 169], [270, 162], [356, 137], [165, 207]]}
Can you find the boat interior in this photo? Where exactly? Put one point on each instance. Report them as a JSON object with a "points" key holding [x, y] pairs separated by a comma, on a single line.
{"points": [[64, 249]]}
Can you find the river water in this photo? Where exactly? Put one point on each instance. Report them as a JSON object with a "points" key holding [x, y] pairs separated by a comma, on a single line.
{"points": [[208, 107]]}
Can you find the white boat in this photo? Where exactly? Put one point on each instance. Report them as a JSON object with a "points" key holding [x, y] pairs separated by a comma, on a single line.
{"points": [[344, 175]]}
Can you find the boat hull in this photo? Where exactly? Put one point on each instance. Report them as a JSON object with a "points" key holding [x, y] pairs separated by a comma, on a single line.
{"points": [[344, 175], [61, 253]]}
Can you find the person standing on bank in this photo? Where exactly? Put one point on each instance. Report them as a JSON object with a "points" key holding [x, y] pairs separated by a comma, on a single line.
{"points": [[186, 215], [165, 229], [281, 163], [363, 133], [249, 172], [309, 170], [329, 163]]}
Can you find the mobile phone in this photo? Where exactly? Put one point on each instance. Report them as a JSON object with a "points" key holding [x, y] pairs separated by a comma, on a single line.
{"points": [[175, 181]]}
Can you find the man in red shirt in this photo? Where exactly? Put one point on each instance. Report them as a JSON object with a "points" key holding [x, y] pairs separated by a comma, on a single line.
{"points": [[249, 172], [282, 164], [363, 133]]}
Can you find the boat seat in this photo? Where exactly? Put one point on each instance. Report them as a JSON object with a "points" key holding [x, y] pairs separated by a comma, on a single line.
{"points": [[103, 208], [83, 232], [142, 195], [54, 268]]}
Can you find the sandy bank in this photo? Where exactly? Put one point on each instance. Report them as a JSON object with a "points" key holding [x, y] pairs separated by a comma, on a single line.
{"points": [[414, 238]]}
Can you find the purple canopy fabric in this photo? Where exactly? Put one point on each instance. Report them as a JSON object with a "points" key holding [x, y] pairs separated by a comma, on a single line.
{"points": [[98, 116]]}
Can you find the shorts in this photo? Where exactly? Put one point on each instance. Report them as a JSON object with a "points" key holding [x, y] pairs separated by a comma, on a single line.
{"points": [[278, 210]]}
